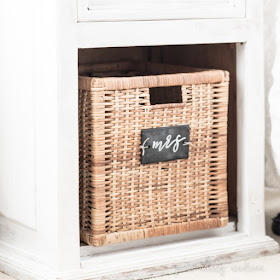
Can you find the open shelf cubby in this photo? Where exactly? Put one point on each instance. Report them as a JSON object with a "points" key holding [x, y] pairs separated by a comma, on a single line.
{"points": [[210, 56]]}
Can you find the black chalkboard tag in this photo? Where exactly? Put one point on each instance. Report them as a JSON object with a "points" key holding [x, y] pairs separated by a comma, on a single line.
{"points": [[164, 144]]}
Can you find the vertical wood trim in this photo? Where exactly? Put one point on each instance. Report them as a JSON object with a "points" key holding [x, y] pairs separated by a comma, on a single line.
{"points": [[250, 123], [68, 237]]}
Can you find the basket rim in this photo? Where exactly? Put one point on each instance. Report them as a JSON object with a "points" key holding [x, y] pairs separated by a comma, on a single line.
{"points": [[186, 76]]}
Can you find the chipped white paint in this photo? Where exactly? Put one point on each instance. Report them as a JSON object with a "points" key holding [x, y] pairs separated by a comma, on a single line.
{"points": [[145, 262]]}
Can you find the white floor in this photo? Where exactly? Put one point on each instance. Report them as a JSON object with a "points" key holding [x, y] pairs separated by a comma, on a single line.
{"points": [[254, 269]]}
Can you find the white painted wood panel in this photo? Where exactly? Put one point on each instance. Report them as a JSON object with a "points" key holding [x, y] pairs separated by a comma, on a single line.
{"points": [[17, 143], [156, 33], [124, 10], [251, 125]]}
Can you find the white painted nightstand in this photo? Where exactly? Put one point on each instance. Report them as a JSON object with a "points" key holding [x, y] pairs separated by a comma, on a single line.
{"points": [[39, 170]]}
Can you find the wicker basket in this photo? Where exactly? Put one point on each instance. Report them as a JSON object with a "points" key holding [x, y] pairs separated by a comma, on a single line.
{"points": [[122, 199]]}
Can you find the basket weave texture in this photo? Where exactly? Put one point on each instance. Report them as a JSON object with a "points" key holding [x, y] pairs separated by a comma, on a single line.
{"points": [[122, 200]]}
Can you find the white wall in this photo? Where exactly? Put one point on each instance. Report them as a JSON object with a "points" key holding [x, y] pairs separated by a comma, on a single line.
{"points": [[272, 88]]}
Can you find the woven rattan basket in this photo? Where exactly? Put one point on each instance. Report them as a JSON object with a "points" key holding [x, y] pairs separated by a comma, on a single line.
{"points": [[122, 199]]}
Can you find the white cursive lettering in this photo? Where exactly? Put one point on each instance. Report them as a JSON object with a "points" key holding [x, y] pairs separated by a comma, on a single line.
{"points": [[160, 145]]}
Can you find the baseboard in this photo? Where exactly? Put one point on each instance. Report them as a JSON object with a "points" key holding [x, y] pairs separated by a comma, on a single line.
{"points": [[144, 263], [22, 265]]}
